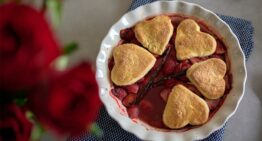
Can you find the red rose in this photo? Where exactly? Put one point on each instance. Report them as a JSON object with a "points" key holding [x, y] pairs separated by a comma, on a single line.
{"points": [[27, 47], [70, 103], [13, 124]]}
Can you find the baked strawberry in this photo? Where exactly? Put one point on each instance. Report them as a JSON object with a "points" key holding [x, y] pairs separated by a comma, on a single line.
{"points": [[144, 80], [132, 88], [220, 49], [227, 60], [127, 34], [193, 89], [156, 123], [129, 100], [169, 66], [111, 64], [135, 41], [133, 112], [217, 56], [145, 105], [212, 104], [228, 80], [119, 93], [141, 80], [176, 20], [164, 94], [185, 65], [197, 59]]}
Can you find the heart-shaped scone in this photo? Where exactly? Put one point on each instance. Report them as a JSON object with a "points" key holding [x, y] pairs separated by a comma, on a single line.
{"points": [[154, 34], [191, 42], [184, 107], [132, 63], [208, 77]]}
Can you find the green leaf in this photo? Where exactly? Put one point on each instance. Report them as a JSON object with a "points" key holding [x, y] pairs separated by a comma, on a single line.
{"points": [[69, 48], [37, 130], [55, 9], [61, 62], [20, 101], [30, 116], [96, 130]]}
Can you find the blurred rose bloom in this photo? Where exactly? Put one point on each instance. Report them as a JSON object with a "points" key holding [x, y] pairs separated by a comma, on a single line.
{"points": [[70, 102], [66, 102], [27, 47], [14, 126]]}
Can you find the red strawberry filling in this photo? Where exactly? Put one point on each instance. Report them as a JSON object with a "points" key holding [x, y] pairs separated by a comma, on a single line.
{"points": [[146, 105], [120, 93], [184, 65], [146, 99], [217, 56], [183, 79], [132, 88], [193, 89], [164, 94], [176, 19], [111, 64], [171, 82], [129, 100], [135, 41], [220, 48], [197, 59], [212, 104], [127, 34], [228, 80], [133, 112], [169, 66]]}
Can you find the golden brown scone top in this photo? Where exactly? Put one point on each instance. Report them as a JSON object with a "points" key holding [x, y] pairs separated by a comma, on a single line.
{"points": [[191, 42], [208, 77], [132, 63], [184, 107], [154, 34]]}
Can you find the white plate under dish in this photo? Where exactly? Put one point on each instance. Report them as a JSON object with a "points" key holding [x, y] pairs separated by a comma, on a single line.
{"points": [[117, 111]]}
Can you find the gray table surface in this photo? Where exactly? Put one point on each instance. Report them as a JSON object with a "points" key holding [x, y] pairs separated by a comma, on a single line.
{"points": [[88, 21]]}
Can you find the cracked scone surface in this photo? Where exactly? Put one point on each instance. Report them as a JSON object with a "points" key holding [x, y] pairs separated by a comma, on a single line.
{"points": [[184, 107], [191, 42], [154, 34], [132, 63], [208, 77]]}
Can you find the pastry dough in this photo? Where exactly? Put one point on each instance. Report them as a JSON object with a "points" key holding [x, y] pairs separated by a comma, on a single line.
{"points": [[208, 77], [191, 42], [154, 34], [132, 63], [184, 107]]}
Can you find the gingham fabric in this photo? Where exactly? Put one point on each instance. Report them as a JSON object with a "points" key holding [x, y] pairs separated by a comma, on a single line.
{"points": [[113, 132]]}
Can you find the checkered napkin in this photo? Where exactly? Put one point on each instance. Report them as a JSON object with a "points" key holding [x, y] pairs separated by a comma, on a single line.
{"points": [[113, 132]]}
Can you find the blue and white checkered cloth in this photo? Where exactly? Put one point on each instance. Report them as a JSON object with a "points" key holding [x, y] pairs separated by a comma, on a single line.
{"points": [[113, 132]]}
